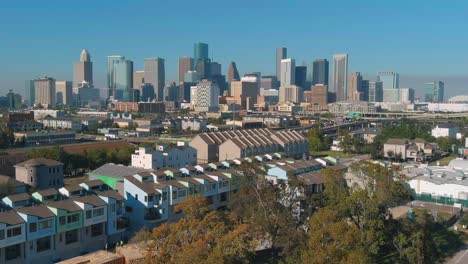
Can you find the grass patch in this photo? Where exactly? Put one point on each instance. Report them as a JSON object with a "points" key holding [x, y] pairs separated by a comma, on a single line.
{"points": [[332, 153], [443, 161]]}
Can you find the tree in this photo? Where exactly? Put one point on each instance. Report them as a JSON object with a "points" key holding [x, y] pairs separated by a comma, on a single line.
{"points": [[332, 241], [203, 236], [272, 211], [346, 143]]}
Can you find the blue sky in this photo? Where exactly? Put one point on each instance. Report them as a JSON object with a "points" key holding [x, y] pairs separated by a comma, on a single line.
{"points": [[422, 40]]}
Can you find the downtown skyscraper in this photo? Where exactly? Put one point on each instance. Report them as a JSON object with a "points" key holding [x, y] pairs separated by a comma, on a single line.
{"points": [[119, 78], [281, 54], [435, 92], [288, 72], [320, 72], [201, 60], [185, 65], [390, 80], [340, 76], [83, 72], [155, 75]]}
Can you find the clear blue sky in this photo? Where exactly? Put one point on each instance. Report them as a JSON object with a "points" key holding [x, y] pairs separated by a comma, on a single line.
{"points": [[422, 40]]}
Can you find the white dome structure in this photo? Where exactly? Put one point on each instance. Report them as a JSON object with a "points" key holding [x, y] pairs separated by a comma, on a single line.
{"points": [[458, 99]]}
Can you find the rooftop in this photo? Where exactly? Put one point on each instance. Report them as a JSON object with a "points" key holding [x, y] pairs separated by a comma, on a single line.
{"points": [[39, 162], [10, 218], [40, 211], [117, 171], [67, 205]]}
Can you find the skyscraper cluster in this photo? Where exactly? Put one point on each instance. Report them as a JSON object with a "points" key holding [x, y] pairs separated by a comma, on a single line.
{"points": [[292, 84]]}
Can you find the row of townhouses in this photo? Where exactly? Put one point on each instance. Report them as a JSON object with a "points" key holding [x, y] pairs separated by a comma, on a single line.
{"points": [[234, 144], [52, 225]]}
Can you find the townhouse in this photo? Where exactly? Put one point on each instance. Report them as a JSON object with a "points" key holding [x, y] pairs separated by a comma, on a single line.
{"points": [[164, 156], [228, 145], [52, 224]]}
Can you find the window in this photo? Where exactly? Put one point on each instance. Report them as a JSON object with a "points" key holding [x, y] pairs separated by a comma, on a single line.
{"points": [[98, 212], [45, 224], [164, 196], [73, 218], [136, 197], [2, 234], [31, 179], [150, 198], [128, 208], [113, 207], [97, 230], [14, 232], [32, 227], [12, 252], [146, 198], [174, 195], [62, 220], [43, 244], [89, 214], [71, 236], [182, 193]]}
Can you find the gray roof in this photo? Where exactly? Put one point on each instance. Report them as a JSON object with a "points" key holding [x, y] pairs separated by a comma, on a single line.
{"points": [[117, 171], [90, 199], [67, 205], [19, 197], [461, 164], [40, 211], [111, 194], [39, 162], [10, 218], [48, 192]]}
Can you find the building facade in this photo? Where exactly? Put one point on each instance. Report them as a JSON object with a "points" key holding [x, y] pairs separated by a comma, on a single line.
{"points": [[340, 76], [155, 75], [288, 72], [320, 72], [281, 54], [390, 80], [64, 92], [44, 92]]}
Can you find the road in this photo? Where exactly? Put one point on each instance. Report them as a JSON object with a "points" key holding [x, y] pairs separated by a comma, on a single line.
{"points": [[460, 258]]}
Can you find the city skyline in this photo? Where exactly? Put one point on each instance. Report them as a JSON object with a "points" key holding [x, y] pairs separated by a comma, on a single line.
{"points": [[407, 55]]}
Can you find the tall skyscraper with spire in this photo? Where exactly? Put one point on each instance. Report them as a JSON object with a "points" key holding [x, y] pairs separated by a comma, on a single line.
{"points": [[83, 71], [340, 76]]}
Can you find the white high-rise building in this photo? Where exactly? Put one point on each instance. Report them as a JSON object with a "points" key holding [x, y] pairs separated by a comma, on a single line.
{"points": [[290, 93], [340, 76], [288, 72], [205, 96]]}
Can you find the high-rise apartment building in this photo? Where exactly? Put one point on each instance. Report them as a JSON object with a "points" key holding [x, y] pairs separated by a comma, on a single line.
{"points": [[205, 97], [64, 92], [390, 80], [290, 93], [320, 72], [155, 74], [288, 72], [301, 77], [185, 65], [375, 93], [83, 71], [435, 92], [233, 73], [281, 54], [119, 78], [44, 90], [138, 79], [355, 87], [340, 76]]}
